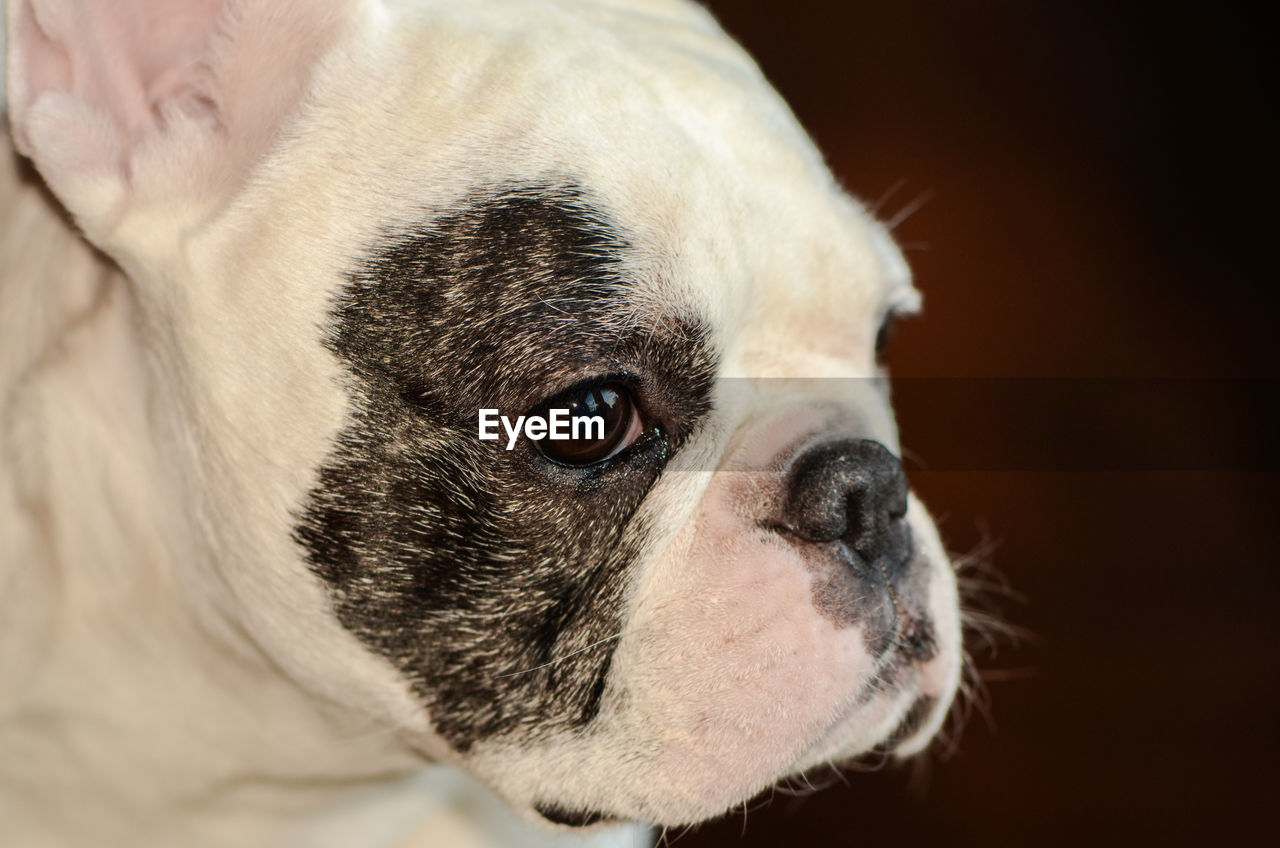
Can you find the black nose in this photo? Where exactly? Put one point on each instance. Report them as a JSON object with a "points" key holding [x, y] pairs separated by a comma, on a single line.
{"points": [[854, 491]]}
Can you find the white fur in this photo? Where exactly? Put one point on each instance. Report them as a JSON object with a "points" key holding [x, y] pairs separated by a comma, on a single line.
{"points": [[170, 671]]}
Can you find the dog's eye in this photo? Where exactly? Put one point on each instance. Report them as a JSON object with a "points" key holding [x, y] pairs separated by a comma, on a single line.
{"points": [[602, 420], [884, 336]]}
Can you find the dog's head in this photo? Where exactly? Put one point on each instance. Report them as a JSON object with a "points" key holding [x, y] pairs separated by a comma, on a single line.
{"points": [[352, 227]]}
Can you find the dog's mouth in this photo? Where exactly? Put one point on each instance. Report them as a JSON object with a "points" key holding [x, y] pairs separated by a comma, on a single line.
{"points": [[916, 645], [895, 709], [828, 769], [915, 641], [888, 719], [913, 722]]}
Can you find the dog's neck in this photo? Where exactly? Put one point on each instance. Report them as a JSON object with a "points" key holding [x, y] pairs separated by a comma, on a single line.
{"points": [[115, 700]]}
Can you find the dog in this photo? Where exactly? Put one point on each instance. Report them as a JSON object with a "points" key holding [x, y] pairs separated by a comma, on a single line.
{"points": [[268, 262]]}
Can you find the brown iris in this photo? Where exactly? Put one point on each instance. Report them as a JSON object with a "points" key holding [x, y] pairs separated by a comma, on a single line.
{"points": [[611, 402]]}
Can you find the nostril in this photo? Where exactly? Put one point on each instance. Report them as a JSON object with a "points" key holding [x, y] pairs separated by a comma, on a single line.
{"points": [[852, 490]]}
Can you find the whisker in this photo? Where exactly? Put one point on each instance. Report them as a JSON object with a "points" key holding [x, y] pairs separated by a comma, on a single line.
{"points": [[879, 203], [1008, 675], [910, 209]]}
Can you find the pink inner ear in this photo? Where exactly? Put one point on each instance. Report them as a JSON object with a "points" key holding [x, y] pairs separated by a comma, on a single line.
{"points": [[116, 70], [126, 60]]}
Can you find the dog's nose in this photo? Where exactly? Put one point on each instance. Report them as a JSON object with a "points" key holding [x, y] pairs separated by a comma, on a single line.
{"points": [[855, 491]]}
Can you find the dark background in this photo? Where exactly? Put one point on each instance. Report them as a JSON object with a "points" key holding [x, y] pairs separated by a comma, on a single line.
{"points": [[1100, 204]]}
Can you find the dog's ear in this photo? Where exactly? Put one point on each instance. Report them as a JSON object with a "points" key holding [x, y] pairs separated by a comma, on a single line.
{"points": [[118, 101]]}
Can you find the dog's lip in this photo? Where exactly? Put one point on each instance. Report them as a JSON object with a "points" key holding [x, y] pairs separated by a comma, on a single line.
{"points": [[912, 723], [899, 674], [839, 741]]}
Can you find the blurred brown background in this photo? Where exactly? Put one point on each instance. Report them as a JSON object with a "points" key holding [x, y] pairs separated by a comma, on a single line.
{"points": [[1100, 204]]}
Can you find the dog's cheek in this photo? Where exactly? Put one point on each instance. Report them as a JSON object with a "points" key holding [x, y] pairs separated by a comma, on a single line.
{"points": [[733, 670]]}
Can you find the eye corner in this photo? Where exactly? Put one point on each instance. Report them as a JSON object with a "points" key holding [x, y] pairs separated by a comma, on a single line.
{"points": [[906, 305], [884, 335]]}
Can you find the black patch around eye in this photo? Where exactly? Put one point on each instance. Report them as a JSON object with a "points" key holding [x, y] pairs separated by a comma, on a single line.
{"points": [[493, 584]]}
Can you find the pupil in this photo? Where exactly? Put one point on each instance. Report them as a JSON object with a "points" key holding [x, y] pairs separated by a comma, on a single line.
{"points": [[609, 402]]}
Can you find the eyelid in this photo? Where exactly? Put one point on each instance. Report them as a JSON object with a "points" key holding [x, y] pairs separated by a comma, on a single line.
{"points": [[562, 395]]}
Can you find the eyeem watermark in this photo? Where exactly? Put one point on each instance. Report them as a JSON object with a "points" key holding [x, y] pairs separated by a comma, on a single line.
{"points": [[559, 425]]}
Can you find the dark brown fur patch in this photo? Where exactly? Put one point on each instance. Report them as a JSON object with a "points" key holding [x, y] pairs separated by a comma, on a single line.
{"points": [[492, 579]]}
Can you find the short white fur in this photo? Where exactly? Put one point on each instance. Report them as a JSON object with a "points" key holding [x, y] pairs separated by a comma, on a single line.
{"points": [[170, 670]]}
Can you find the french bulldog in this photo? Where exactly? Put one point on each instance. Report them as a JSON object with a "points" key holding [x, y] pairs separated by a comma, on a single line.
{"points": [[269, 264]]}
